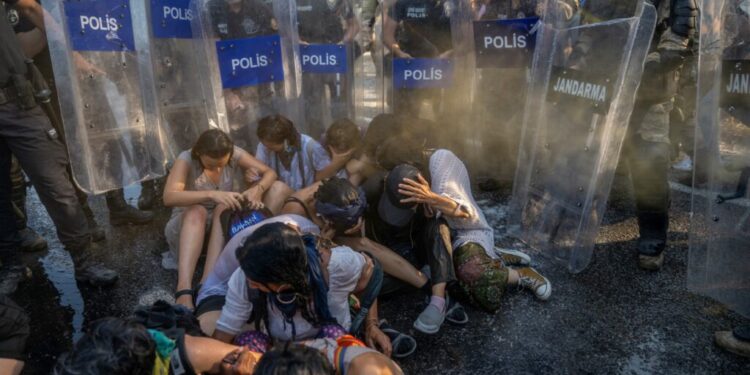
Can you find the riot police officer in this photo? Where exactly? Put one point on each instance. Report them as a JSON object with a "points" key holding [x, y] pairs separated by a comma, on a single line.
{"points": [[327, 22], [648, 149], [26, 132]]}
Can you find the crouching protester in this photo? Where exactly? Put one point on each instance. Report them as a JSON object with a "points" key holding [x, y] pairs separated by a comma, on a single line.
{"points": [[338, 207], [212, 294], [155, 341], [201, 185], [299, 288], [460, 243]]}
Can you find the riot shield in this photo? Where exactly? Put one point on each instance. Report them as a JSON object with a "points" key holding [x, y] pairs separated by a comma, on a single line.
{"points": [[719, 260], [581, 94], [251, 49], [110, 127], [332, 77], [176, 74], [502, 38], [427, 63]]}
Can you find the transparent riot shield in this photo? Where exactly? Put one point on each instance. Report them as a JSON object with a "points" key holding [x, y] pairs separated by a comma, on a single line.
{"points": [[176, 74], [427, 64], [111, 132], [332, 77], [502, 38], [581, 94], [719, 261], [251, 49]]}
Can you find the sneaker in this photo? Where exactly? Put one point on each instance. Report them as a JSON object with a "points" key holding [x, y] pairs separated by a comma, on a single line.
{"points": [[31, 241], [651, 254], [512, 257], [455, 313], [430, 320], [95, 274], [129, 215], [734, 341], [684, 164], [531, 279]]}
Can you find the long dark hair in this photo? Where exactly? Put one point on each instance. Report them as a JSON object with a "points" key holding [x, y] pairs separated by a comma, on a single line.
{"points": [[396, 151], [382, 127], [213, 143], [278, 129], [275, 253]]}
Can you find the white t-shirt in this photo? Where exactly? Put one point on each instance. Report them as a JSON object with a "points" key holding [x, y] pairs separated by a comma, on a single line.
{"points": [[344, 270], [450, 178], [314, 158], [217, 282]]}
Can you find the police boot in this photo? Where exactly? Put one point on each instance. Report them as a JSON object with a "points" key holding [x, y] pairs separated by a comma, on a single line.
{"points": [[96, 232], [90, 272], [120, 213], [148, 197], [31, 241], [653, 228]]}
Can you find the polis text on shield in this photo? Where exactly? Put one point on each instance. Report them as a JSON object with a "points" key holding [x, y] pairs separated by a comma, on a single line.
{"points": [[250, 62], [95, 23], [325, 59], [505, 41], [429, 74], [180, 14]]}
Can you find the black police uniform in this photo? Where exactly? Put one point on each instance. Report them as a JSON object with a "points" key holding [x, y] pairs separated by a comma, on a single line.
{"points": [[321, 22], [26, 132]]}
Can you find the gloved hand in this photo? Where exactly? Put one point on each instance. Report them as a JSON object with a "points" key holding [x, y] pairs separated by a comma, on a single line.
{"points": [[667, 61]]}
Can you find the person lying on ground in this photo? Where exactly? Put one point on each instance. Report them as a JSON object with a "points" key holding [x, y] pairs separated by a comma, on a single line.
{"points": [[299, 288], [297, 159], [200, 186], [116, 346], [430, 189]]}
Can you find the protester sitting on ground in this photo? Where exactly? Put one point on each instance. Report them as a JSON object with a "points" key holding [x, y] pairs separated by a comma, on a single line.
{"points": [[299, 288], [338, 207], [200, 186], [298, 160], [212, 294], [362, 165], [461, 241], [343, 140], [116, 346]]}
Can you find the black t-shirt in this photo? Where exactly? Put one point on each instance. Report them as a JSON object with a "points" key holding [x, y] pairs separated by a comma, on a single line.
{"points": [[11, 55], [254, 19], [424, 26], [20, 23], [323, 21], [504, 9]]}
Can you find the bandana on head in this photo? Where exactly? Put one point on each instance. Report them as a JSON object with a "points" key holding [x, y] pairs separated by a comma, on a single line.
{"points": [[347, 216]]}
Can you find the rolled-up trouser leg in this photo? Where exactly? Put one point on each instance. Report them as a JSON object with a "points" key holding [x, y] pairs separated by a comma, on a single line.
{"points": [[649, 160], [434, 248], [45, 162], [481, 279]]}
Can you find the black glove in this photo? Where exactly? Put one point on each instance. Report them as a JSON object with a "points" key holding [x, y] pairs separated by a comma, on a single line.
{"points": [[669, 61]]}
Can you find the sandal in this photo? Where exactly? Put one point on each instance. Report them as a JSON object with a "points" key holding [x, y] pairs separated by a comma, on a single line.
{"points": [[185, 292], [403, 344]]}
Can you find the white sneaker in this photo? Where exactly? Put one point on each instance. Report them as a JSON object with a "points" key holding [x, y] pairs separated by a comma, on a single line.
{"points": [[685, 164], [430, 320], [168, 262]]}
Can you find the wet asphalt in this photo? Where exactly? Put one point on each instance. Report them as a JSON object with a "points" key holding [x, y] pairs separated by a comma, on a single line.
{"points": [[611, 318]]}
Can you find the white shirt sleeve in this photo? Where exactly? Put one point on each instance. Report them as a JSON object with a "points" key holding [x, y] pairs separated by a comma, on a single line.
{"points": [[450, 179], [344, 271], [237, 308]]}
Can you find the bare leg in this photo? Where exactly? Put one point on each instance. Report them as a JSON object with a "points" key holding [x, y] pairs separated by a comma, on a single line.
{"points": [[208, 322], [191, 241], [512, 276], [439, 290], [275, 196], [393, 264], [10, 366], [215, 242]]}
